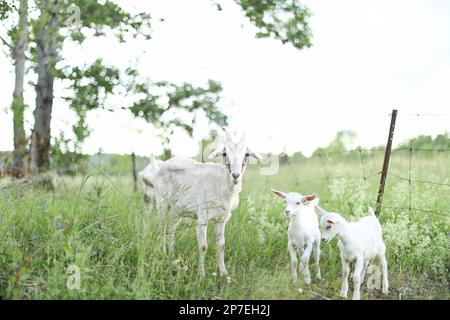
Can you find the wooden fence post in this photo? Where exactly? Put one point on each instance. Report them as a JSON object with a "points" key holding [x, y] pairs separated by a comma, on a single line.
{"points": [[133, 168]]}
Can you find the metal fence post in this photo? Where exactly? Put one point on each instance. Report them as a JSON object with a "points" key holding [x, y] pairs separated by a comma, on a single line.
{"points": [[387, 156]]}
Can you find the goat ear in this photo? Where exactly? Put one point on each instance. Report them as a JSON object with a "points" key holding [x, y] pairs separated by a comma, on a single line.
{"points": [[320, 211], [216, 153], [279, 194], [255, 155], [332, 220], [311, 199]]}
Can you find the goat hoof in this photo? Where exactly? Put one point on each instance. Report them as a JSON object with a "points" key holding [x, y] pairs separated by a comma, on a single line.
{"points": [[223, 273], [343, 295]]}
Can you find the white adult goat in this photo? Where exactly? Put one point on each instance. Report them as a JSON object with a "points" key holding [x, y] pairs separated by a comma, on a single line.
{"points": [[303, 231], [359, 242], [203, 191]]}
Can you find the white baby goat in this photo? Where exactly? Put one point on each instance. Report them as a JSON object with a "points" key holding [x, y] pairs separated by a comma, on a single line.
{"points": [[303, 231], [203, 191], [359, 242]]}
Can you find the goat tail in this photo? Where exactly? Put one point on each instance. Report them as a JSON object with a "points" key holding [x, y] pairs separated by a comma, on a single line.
{"points": [[371, 212]]}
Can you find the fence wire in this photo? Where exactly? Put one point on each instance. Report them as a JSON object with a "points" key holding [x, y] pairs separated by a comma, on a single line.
{"points": [[323, 156]]}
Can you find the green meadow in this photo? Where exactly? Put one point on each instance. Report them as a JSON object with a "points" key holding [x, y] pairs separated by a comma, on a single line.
{"points": [[90, 238]]}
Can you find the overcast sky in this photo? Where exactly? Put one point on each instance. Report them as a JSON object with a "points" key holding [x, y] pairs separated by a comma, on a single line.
{"points": [[367, 58]]}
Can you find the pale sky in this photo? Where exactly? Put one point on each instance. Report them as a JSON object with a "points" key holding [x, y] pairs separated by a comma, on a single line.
{"points": [[367, 58]]}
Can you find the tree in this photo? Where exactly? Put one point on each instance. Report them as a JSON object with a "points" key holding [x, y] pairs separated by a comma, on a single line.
{"points": [[343, 141], [48, 29], [18, 104], [17, 43], [182, 101], [426, 143], [91, 85], [297, 156], [89, 88], [442, 141], [285, 20], [46, 42], [5, 9]]}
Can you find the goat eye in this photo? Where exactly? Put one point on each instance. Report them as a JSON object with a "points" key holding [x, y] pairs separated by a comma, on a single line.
{"points": [[247, 155], [298, 203]]}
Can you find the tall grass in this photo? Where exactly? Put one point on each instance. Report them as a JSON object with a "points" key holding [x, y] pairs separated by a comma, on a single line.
{"points": [[97, 224]]}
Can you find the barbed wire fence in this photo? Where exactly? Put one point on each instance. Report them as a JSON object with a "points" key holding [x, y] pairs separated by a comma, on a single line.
{"points": [[323, 157]]}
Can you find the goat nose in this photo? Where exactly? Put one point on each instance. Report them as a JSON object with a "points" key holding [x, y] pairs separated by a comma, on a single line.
{"points": [[287, 211], [236, 175]]}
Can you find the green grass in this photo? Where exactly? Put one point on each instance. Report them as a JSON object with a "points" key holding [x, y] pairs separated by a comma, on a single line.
{"points": [[97, 224]]}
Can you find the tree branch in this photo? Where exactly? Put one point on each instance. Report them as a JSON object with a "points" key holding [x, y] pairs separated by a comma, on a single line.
{"points": [[6, 43]]}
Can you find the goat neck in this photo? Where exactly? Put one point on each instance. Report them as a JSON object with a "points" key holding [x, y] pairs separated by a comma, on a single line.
{"points": [[344, 232]]}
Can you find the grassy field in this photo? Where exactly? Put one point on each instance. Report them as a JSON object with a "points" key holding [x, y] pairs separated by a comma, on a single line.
{"points": [[95, 225]]}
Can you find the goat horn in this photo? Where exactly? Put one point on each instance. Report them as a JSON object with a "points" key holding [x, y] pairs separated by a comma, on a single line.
{"points": [[244, 136], [227, 134]]}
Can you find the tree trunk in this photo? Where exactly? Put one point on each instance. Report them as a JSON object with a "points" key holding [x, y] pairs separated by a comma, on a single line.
{"points": [[46, 49], [18, 105]]}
